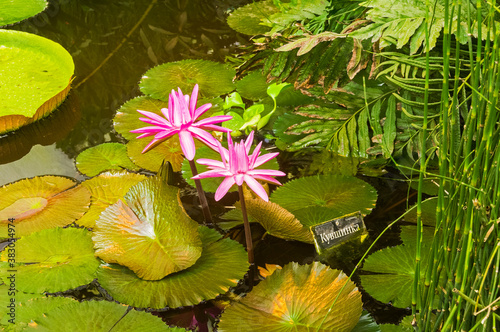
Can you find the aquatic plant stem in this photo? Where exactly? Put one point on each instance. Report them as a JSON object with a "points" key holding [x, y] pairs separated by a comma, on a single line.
{"points": [[201, 196], [248, 236]]}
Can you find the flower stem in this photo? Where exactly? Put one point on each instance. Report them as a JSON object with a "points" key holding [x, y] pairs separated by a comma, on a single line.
{"points": [[201, 195], [248, 236]]}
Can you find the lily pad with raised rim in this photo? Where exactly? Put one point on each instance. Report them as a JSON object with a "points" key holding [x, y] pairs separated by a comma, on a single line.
{"points": [[221, 264], [297, 297], [99, 316], [104, 157], [14, 11], [106, 189], [35, 77], [148, 231], [315, 199], [213, 78], [52, 260], [40, 203]]}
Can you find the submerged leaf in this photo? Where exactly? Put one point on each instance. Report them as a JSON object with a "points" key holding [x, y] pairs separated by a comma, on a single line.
{"points": [[297, 298], [103, 157], [40, 203], [222, 263], [148, 231]]}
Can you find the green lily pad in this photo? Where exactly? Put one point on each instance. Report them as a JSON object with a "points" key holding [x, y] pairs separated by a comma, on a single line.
{"points": [[253, 86], [99, 316], [40, 203], [106, 189], [294, 298], [211, 184], [221, 264], [169, 150], [247, 19], [103, 157], [315, 199], [14, 11], [52, 260], [29, 308], [149, 232], [35, 77], [276, 220], [400, 272], [213, 78]]}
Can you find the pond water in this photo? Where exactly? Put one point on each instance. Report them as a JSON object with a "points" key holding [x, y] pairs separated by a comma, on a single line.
{"points": [[111, 54]]}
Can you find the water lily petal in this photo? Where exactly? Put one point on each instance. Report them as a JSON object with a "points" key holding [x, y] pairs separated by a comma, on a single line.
{"points": [[254, 155], [264, 159], [187, 144], [210, 162], [266, 178], [205, 137], [224, 187], [239, 178], [213, 119], [200, 110], [267, 172], [249, 141], [212, 174], [166, 133], [155, 117], [152, 129], [193, 101], [256, 187], [215, 128], [150, 145]]}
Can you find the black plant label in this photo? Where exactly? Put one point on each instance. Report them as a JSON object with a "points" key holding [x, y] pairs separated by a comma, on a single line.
{"points": [[337, 231]]}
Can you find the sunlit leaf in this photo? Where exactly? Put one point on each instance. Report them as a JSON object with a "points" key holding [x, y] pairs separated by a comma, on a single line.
{"points": [[40, 203], [106, 189], [35, 75], [315, 199], [247, 19], [52, 260], [148, 231], [169, 150], [222, 263], [214, 79], [103, 157], [17, 10], [297, 298]]}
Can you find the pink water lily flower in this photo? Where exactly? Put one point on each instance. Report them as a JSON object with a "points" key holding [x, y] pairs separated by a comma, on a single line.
{"points": [[237, 166], [179, 119]]}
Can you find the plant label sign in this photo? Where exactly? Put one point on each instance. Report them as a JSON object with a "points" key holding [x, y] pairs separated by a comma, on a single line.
{"points": [[336, 231]]}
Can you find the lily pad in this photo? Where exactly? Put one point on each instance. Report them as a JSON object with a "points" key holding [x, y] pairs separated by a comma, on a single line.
{"points": [[276, 220], [428, 213], [103, 157], [14, 11], [40, 203], [35, 77], [106, 189], [247, 19], [213, 78], [169, 150], [99, 316], [315, 199], [148, 231], [253, 86], [395, 266], [52, 260], [222, 263], [211, 184], [297, 297]]}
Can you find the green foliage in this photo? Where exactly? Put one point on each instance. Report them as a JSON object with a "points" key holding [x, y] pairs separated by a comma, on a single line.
{"points": [[103, 157], [18, 10]]}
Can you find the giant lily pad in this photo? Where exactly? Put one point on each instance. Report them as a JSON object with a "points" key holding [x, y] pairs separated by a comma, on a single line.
{"points": [[247, 19], [148, 231], [106, 189], [14, 11], [395, 266], [35, 76], [107, 156], [213, 78], [276, 220], [315, 199], [222, 263], [99, 316], [297, 298], [41, 202], [52, 260]]}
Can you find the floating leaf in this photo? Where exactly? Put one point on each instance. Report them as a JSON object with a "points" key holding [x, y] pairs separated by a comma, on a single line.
{"points": [[52, 260], [149, 232], [276, 220], [247, 19], [297, 296], [99, 316], [222, 263], [40, 203], [315, 199], [14, 11], [106, 189], [428, 213], [399, 274], [211, 184], [35, 75], [103, 157], [170, 150], [213, 78], [253, 86]]}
